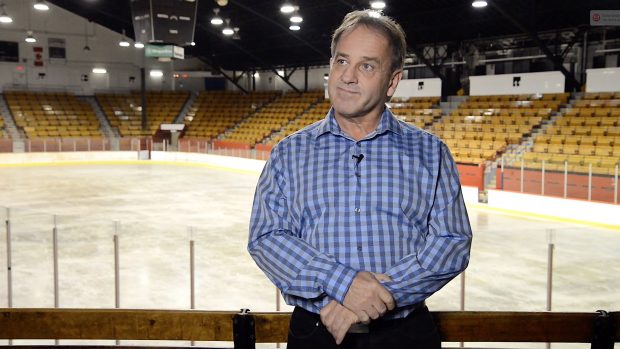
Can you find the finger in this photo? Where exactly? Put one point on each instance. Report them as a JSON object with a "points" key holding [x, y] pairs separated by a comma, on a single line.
{"points": [[373, 313], [339, 337], [387, 299], [381, 308], [362, 316]]}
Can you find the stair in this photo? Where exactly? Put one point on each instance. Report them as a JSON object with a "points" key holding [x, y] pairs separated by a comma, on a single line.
{"points": [[15, 133], [179, 119], [108, 131]]}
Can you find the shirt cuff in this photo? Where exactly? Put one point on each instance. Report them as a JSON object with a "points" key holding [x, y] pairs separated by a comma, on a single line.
{"points": [[338, 282]]}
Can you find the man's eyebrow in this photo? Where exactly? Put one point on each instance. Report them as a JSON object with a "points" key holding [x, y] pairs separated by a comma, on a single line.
{"points": [[364, 58]]}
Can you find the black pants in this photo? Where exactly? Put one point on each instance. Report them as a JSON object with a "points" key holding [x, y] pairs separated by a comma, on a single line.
{"points": [[416, 331]]}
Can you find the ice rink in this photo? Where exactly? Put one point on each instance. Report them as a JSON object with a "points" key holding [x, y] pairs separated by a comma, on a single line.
{"points": [[155, 209]]}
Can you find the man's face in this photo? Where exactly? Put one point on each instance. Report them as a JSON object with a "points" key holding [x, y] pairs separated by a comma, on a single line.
{"points": [[360, 76]]}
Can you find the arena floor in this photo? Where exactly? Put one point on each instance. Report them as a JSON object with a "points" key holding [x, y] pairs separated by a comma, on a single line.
{"points": [[160, 207]]}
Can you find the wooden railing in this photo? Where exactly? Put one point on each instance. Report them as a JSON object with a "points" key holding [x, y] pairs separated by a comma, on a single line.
{"points": [[602, 329]]}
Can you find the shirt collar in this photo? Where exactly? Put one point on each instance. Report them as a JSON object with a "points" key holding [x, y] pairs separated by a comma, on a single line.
{"points": [[388, 123]]}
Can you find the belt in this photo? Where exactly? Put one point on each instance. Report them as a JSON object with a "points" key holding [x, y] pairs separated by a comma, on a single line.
{"points": [[382, 323]]}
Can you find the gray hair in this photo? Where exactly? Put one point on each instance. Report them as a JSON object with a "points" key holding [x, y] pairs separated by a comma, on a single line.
{"points": [[385, 25]]}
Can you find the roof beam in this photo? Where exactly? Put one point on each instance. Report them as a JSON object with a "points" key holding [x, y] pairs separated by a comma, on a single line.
{"points": [[556, 60]]}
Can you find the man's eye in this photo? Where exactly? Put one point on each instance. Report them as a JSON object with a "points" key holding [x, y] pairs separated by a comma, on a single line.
{"points": [[341, 61], [367, 67]]}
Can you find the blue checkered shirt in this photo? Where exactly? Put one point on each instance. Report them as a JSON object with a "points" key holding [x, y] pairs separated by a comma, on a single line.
{"points": [[320, 215]]}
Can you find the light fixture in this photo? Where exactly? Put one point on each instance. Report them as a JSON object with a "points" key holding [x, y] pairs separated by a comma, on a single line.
{"points": [[156, 73], [123, 42], [287, 7], [29, 38], [41, 5], [138, 45], [479, 3], [192, 43], [236, 35], [86, 47], [296, 18], [228, 30], [377, 5], [280, 72], [294, 27], [216, 20], [256, 75], [4, 18], [99, 71]]}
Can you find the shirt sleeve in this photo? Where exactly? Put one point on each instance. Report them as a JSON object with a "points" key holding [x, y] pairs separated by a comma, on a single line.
{"points": [[445, 252], [294, 266]]}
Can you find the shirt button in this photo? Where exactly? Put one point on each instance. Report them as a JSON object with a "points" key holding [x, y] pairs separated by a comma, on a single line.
{"points": [[357, 210], [359, 248]]}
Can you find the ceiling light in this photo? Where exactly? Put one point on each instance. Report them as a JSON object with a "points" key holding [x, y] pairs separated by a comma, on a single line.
{"points": [[236, 35], [4, 18], [156, 73], [99, 70], [41, 5], [216, 20], [29, 38], [123, 42], [138, 45], [294, 27], [479, 3], [287, 7], [377, 5], [192, 43], [228, 30], [296, 18]]}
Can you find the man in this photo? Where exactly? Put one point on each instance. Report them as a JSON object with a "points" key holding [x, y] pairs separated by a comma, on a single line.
{"points": [[359, 218]]}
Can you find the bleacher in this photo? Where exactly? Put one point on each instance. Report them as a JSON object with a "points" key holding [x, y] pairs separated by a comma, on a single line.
{"points": [[213, 112], [3, 133], [484, 126], [418, 111], [124, 111], [586, 135], [273, 117], [52, 114]]}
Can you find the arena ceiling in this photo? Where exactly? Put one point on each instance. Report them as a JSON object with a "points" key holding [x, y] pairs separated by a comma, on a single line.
{"points": [[266, 42]]}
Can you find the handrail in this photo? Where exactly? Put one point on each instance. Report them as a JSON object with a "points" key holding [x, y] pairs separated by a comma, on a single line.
{"points": [[454, 326]]}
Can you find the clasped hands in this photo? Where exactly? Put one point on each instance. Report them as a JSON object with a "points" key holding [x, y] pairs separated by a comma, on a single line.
{"points": [[366, 300]]}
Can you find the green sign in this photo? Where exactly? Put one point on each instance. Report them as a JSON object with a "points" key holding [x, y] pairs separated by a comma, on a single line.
{"points": [[164, 51], [159, 51]]}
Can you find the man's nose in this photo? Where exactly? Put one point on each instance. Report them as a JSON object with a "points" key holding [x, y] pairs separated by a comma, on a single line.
{"points": [[349, 74]]}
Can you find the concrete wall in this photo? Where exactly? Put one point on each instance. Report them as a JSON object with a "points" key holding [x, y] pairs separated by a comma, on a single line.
{"points": [[506, 84], [603, 80], [66, 74]]}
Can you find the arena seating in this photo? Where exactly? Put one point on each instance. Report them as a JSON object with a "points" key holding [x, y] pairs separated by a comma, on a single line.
{"points": [[213, 112], [52, 114], [588, 133], [484, 126], [3, 133], [417, 111], [124, 111], [273, 117], [315, 113]]}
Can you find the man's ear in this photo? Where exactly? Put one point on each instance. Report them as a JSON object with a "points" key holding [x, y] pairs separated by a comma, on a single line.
{"points": [[393, 82]]}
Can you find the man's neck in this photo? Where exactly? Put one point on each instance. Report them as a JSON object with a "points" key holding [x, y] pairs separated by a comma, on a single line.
{"points": [[358, 127]]}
